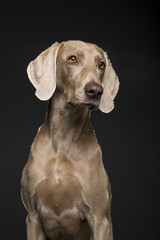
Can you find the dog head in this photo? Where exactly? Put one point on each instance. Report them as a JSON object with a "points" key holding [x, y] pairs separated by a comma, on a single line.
{"points": [[82, 70]]}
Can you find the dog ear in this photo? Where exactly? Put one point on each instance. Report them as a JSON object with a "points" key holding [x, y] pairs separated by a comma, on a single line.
{"points": [[42, 72], [110, 85]]}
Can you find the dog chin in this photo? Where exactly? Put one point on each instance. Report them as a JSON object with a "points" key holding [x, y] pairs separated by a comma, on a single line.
{"points": [[93, 105]]}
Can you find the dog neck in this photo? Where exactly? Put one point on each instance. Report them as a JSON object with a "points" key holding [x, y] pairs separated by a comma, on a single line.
{"points": [[67, 123]]}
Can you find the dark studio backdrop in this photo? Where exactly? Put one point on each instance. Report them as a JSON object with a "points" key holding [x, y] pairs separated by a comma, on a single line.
{"points": [[128, 135]]}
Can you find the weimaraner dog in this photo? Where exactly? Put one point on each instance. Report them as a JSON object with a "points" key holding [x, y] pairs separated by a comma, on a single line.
{"points": [[65, 187]]}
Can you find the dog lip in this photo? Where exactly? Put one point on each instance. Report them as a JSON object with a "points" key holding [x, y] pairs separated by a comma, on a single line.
{"points": [[93, 102], [91, 105]]}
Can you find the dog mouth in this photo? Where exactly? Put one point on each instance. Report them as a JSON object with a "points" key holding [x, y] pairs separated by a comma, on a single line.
{"points": [[91, 105]]}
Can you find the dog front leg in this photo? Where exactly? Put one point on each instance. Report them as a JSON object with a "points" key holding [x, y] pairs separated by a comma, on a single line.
{"points": [[34, 228], [102, 230]]}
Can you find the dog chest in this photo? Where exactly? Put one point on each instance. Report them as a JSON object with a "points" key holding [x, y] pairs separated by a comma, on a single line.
{"points": [[60, 194], [60, 206]]}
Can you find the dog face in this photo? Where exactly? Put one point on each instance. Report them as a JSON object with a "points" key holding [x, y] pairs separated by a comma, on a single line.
{"points": [[82, 70]]}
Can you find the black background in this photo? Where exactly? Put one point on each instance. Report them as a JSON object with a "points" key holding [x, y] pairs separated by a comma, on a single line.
{"points": [[128, 135]]}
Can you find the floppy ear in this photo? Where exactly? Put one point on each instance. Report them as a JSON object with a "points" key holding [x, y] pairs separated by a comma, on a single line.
{"points": [[42, 72], [110, 85]]}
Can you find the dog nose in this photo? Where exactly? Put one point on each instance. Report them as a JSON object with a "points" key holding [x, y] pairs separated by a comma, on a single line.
{"points": [[93, 90]]}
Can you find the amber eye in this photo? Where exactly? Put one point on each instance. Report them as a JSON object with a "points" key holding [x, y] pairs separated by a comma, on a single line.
{"points": [[101, 65], [72, 59]]}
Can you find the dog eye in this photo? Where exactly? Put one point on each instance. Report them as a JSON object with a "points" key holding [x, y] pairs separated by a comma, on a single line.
{"points": [[72, 59], [101, 65]]}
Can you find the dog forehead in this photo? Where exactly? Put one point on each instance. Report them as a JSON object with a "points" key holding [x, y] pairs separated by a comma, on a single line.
{"points": [[81, 48]]}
